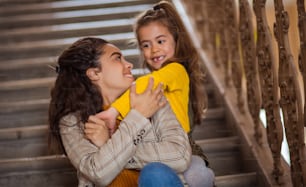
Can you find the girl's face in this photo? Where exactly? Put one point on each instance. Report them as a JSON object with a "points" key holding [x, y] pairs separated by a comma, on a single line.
{"points": [[156, 43], [115, 75]]}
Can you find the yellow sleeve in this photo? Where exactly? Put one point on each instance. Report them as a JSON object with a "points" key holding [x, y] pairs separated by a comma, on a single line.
{"points": [[170, 75]]}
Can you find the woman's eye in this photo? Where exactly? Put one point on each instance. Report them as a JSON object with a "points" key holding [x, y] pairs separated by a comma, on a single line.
{"points": [[118, 58]]}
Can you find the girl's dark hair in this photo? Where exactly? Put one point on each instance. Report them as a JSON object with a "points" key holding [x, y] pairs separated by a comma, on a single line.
{"points": [[185, 52], [73, 91]]}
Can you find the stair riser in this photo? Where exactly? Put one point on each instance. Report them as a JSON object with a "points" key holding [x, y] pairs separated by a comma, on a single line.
{"points": [[19, 117], [225, 163], [24, 148], [30, 23], [46, 50], [41, 70], [42, 92], [210, 129], [7, 37], [58, 178], [36, 7]]}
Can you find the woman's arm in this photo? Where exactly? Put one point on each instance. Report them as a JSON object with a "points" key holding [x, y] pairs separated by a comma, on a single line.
{"points": [[102, 164], [167, 142]]}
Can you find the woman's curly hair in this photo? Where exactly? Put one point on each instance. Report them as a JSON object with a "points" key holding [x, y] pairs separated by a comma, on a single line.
{"points": [[73, 92]]}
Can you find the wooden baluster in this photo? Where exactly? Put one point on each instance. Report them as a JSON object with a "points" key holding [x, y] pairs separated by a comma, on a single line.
{"points": [[269, 85], [223, 50], [250, 65], [214, 29], [302, 63], [202, 24], [291, 100], [232, 36]]}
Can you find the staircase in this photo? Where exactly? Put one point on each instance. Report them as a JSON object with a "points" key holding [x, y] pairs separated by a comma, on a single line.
{"points": [[33, 33]]}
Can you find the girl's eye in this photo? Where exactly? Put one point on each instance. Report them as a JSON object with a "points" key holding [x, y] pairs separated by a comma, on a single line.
{"points": [[161, 41], [144, 45]]}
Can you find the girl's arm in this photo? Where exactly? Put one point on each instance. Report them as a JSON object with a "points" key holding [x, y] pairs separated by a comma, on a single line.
{"points": [[173, 76]]}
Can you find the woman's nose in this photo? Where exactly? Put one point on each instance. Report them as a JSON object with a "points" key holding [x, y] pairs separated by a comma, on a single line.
{"points": [[129, 65]]}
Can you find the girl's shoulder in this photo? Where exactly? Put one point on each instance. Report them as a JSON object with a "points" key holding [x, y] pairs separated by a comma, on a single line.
{"points": [[175, 65]]}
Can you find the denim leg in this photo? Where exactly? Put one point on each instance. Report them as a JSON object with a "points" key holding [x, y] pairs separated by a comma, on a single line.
{"points": [[156, 174], [198, 175]]}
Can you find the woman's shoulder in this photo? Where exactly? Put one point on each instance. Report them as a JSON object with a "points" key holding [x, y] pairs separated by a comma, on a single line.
{"points": [[70, 119]]}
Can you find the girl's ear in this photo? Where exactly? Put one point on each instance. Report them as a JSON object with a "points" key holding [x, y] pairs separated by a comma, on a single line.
{"points": [[92, 74]]}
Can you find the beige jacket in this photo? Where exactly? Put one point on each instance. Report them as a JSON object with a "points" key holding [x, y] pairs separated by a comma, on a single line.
{"points": [[137, 142]]}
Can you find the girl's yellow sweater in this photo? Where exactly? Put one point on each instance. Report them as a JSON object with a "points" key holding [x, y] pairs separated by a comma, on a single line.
{"points": [[176, 89]]}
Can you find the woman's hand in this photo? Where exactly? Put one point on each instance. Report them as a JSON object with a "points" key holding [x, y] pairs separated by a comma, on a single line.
{"points": [[148, 102], [96, 131], [109, 116]]}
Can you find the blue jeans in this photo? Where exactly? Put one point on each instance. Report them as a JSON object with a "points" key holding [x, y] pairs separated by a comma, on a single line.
{"points": [[156, 174], [198, 175]]}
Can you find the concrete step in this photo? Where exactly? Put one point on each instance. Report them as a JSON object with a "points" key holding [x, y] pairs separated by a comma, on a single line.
{"points": [[24, 113], [54, 170], [20, 163], [39, 67], [31, 107], [61, 31], [32, 20], [37, 167], [54, 47], [223, 154], [31, 89], [34, 88], [22, 7], [212, 127], [30, 140], [238, 180]]}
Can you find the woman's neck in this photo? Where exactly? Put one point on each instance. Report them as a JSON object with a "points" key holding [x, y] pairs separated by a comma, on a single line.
{"points": [[109, 98]]}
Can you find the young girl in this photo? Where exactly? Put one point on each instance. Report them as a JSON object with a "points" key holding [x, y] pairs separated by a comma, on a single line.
{"points": [[170, 55]]}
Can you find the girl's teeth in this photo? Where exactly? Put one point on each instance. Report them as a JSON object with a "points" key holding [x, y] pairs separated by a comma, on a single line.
{"points": [[158, 58]]}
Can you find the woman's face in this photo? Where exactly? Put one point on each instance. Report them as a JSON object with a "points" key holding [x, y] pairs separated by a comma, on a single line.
{"points": [[156, 43], [115, 75]]}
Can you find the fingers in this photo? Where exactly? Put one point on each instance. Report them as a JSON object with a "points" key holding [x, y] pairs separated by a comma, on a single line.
{"points": [[100, 115], [96, 120], [133, 88], [159, 89], [93, 125], [150, 84], [162, 102]]}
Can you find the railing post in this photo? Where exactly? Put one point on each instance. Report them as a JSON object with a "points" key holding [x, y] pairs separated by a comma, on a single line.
{"points": [[269, 84], [302, 63], [250, 65], [291, 101]]}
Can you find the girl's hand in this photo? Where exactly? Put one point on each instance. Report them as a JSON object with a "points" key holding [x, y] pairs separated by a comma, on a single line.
{"points": [[96, 131], [109, 116], [148, 102]]}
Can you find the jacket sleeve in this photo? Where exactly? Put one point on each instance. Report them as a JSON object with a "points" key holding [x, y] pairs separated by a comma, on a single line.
{"points": [[167, 143], [173, 76], [102, 165]]}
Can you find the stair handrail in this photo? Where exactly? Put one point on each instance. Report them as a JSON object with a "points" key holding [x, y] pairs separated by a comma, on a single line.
{"points": [[281, 92]]}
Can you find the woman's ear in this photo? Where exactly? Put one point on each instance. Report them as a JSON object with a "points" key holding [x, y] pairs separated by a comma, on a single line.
{"points": [[92, 74]]}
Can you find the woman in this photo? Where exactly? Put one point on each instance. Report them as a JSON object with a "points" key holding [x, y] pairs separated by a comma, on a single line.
{"points": [[92, 73]]}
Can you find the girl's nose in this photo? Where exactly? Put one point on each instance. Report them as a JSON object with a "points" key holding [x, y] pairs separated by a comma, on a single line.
{"points": [[154, 49]]}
